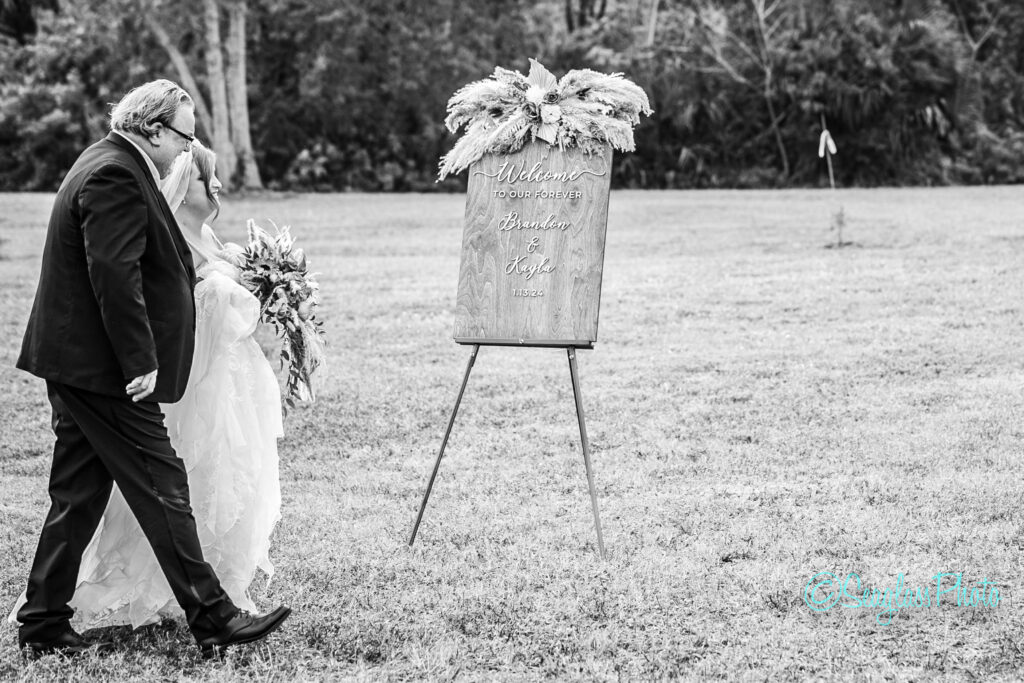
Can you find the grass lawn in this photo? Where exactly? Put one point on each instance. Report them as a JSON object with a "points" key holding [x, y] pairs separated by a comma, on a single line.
{"points": [[761, 409]]}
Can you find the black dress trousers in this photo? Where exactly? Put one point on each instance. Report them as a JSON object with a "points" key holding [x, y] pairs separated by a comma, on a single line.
{"points": [[102, 440]]}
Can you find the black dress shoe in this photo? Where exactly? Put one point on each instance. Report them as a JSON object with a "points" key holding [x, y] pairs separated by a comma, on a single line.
{"points": [[243, 628], [67, 644]]}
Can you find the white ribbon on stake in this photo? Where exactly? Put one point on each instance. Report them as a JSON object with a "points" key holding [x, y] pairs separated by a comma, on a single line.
{"points": [[827, 144], [826, 148]]}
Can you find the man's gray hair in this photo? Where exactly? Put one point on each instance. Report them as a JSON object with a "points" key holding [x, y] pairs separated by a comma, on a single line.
{"points": [[146, 105]]}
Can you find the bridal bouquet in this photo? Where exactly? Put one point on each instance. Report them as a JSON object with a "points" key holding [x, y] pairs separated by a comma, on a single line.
{"points": [[277, 274], [585, 109]]}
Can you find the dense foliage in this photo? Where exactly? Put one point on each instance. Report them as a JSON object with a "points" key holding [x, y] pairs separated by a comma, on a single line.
{"points": [[351, 95]]}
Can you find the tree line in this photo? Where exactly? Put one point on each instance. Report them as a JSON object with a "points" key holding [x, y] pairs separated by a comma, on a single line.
{"points": [[334, 95]]}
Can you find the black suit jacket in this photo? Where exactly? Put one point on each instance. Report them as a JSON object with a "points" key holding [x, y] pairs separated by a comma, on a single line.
{"points": [[115, 296]]}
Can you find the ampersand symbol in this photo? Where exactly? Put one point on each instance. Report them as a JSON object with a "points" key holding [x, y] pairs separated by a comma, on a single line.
{"points": [[532, 246]]}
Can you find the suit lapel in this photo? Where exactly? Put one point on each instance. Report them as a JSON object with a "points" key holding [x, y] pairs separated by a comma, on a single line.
{"points": [[184, 253], [180, 245]]}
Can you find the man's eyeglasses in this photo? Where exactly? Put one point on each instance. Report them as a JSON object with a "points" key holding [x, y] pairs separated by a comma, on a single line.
{"points": [[189, 139]]}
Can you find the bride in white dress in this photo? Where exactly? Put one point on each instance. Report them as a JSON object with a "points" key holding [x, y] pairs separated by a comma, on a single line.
{"points": [[225, 429]]}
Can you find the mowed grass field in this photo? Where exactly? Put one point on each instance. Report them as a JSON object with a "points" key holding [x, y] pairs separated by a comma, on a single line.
{"points": [[761, 409]]}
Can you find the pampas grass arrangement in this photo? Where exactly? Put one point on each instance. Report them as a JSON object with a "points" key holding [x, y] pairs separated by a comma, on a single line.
{"points": [[586, 109]]}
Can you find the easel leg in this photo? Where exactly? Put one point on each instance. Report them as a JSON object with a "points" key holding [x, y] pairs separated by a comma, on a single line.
{"points": [[586, 446], [444, 443]]}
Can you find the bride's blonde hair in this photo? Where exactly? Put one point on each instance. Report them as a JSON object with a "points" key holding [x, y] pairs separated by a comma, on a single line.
{"points": [[206, 161]]}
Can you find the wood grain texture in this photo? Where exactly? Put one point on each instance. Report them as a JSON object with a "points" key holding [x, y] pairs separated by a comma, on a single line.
{"points": [[542, 229]]}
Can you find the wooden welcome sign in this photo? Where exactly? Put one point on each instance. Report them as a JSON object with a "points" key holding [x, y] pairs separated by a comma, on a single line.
{"points": [[533, 248], [536, 216]]}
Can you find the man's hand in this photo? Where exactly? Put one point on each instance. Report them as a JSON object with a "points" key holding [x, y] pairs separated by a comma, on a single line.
{"points": [[142, 386]]}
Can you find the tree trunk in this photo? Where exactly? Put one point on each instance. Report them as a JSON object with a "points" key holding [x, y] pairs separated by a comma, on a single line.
{"points": [[761, 12], [969, 101], [221, 133], [775, 129], [652, 22], [181, 66], [238, 100]]}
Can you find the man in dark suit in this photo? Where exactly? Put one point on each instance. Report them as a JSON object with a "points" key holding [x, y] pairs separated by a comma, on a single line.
{"points": [[112, 333]]}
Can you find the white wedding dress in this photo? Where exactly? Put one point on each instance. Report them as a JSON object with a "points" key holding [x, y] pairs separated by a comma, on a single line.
{"points": [[225, 429]]}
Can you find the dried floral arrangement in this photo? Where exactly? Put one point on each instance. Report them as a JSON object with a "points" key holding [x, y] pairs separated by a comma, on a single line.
{"points": [[585, 109]]}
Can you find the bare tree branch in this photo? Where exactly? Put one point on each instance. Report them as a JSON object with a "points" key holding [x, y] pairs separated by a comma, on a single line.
{"points": [[188, 81], [975, 43]]}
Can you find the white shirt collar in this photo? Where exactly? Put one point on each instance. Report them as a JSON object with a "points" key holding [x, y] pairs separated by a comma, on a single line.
{"points": [[149, 162]]}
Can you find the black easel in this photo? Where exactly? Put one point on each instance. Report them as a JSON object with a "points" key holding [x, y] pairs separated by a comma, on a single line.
{"points": [[574, 373]]}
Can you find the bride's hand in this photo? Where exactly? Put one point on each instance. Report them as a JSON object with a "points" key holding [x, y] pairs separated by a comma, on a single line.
{"points": [[232, 253]]}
